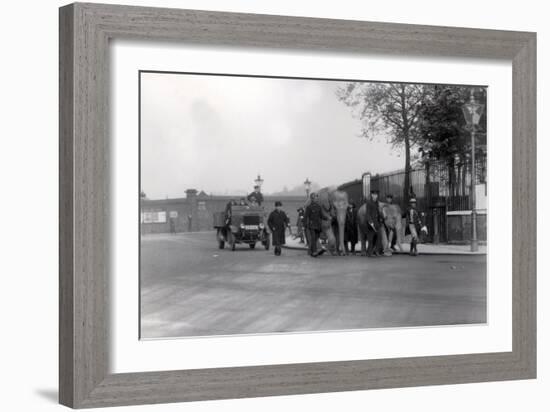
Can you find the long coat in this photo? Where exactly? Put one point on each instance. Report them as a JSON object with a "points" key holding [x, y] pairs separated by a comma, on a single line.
{"points": [[313, 216], [350, 232], [374, 217], [277, 223]]}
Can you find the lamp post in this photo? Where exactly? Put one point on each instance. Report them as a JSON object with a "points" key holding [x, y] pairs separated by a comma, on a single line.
{"points": [[259, 181], [473, 111], [307, 185]]}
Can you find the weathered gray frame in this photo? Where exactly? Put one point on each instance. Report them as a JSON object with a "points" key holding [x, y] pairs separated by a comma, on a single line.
{"points": [[85, 30]]}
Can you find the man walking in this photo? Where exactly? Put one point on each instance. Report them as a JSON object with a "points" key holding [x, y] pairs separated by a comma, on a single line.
{"points": [[313, 219], [374, 218], [414, 225], [277, 223]]}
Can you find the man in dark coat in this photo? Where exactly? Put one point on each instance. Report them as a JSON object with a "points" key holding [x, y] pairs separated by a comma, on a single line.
{"points": [[350, 229], [277, 223], [313, 220], [227, 214], [374, 219], [256, 197]]}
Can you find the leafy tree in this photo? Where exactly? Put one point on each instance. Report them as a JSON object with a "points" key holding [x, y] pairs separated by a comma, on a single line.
{"points": [[392, 109], [443, 130]]}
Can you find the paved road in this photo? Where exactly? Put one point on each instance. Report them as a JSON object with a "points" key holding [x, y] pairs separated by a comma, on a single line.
{"points": [[191, 288]]}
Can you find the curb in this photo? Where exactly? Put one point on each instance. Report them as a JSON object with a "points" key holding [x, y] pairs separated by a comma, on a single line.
{"points": [[420, 253]]}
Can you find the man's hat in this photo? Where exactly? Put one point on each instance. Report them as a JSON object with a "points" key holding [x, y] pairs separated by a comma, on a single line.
{"points": [[374, 191], [389, 195], [277, 203], [412, 200]]}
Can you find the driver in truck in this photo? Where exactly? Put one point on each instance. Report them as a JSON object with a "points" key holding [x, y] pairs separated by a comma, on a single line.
{"points": [[256, 197]]}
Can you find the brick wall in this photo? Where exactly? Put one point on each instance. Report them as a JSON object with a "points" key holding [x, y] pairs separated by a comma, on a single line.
{"points": [[194, 212]]}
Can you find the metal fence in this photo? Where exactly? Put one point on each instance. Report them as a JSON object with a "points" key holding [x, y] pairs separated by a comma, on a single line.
{"points": [[438, 186], [434, 183]]}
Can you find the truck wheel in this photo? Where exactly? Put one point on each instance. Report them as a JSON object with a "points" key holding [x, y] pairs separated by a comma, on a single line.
{"points": [[221, 241], [252, 245]]}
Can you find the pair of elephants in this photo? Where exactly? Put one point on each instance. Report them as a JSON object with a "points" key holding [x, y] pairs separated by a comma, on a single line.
{"points": [[334, 204]]}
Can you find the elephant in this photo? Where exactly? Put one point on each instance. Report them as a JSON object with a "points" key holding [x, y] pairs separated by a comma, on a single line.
{"points": [[334, 204], [392, 216]]}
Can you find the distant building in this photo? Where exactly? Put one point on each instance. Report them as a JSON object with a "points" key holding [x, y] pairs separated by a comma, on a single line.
{"points": [[194, 212]]}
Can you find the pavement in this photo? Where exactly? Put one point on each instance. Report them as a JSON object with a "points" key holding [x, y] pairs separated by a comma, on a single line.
{"points": [[189, 287], [423, 248]]}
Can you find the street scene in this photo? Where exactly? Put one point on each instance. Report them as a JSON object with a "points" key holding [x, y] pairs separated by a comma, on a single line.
{"points": [[191, 288], [282, 205]]}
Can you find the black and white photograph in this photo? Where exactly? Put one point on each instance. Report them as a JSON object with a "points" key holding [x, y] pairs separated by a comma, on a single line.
{"points": [[275, 206], [282, 205]]}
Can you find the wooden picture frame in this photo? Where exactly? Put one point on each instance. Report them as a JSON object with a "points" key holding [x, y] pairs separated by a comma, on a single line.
{"points": [[85, 31]]}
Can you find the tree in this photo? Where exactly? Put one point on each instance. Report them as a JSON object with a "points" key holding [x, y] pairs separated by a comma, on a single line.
{"points": [[443, 131], [389, 108]]}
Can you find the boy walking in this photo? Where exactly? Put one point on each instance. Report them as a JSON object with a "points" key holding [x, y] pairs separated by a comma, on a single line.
{"points": [[414, 225]]}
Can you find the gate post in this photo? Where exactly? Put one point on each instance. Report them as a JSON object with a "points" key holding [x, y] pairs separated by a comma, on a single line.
{"points": [[436, 225], [366, 185]]}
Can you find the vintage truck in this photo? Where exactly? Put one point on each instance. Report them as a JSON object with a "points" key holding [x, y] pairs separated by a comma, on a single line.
{"points": [[241, 224]]}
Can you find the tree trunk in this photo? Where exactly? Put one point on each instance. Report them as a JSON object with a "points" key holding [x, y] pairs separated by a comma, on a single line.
{"points": [[428, 188], [406, 139], [407, 183]]}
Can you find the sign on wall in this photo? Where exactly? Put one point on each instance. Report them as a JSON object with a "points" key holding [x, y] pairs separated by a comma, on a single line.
{"points": [[153, 217]]}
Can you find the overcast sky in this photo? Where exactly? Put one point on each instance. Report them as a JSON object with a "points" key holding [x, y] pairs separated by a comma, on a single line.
{"points": [[216, 133]]}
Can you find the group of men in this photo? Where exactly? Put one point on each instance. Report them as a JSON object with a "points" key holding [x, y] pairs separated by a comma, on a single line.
{"points": [[310, 224], [376, 223]]}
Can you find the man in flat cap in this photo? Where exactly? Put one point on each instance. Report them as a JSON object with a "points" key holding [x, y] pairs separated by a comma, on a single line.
{"points": [[374, 219], [278, 222]]}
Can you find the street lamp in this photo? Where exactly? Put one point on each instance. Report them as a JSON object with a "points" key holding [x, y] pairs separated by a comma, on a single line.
{"points": [[473, 111], [259, 181], [307, 185]]}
